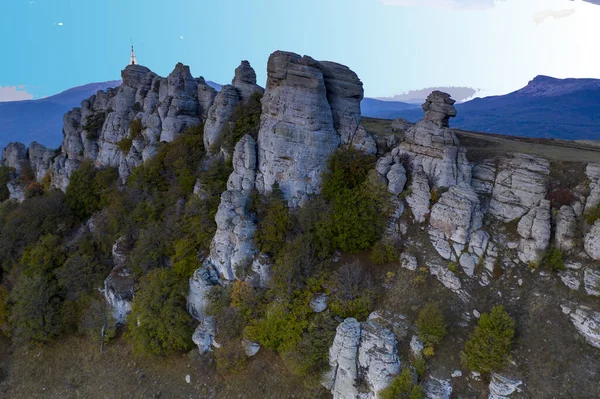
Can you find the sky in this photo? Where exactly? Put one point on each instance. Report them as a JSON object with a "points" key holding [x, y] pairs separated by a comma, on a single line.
{"points": [[393, 45]]}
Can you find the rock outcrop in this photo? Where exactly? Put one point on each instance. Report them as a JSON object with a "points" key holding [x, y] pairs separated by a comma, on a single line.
{"points": [[362, 351], [592, 241], [119, 285], [503, 387], [431, 145], [520, 185], [233, 246], [566, 228], [245, 81], [309, 109], [146, 109], [14, 155]]}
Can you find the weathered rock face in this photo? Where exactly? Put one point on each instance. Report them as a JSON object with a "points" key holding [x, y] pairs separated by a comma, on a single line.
{"points": [[297, 132], [586, 321], [161, 107], [13, 156], [519, 186], [592, 241], [201, 282], [204, 335], [233, 244], [437, 388], [218, 116], [365, 352], [535, 231], [420, 195], [456, 216], [566, 227], [40, 159], [309, 109], [592, 172]]}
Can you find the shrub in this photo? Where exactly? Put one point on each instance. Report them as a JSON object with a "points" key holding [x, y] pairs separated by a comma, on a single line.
{"points": [[185, 260], [420, 366], [593, 215], [125, 144], [274, 223], [489, 346], [34, 189], [453, 267], [246, 299], [384, 252], [554, 259], [159, 321], [401, 386], [218, 298], [230, 358], [280, 329], [246, 120], [135, 128], [561, 196], [293, 264], [93, 124], [310, 357], [5, 174], [431, 324], [35, 313], [352, 293], [4, 309], [89, 188], [417, 393]]}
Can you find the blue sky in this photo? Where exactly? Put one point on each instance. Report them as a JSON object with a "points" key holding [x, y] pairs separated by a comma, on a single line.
{"points": [[394, 45]]}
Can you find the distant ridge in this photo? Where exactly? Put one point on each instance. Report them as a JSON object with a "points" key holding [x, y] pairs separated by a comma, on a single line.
{"points": [[42, 120], [546, 108]]}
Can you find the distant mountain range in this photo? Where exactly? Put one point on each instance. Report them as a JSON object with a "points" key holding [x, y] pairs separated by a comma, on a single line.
{"points": [[42, 120], [545, 108]]}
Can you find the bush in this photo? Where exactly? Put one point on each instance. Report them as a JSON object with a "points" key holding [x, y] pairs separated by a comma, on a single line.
{"points": [[554, 259], [89, 188], [5, 174], [93, 124], [4, 309], [352, 293], [431, 324], [34, 189], [280, 329], [561, 196], [593, 215], [401, 386], [385, 252], [246, 120], [159, 322], [125, 144], [489, 346], [135, 128], [185, 260], [230, 358]]}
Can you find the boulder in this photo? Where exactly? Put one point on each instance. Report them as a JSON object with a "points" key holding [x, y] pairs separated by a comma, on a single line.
{"points": [[201, 282], [319, 303], [420, 195], [437, 388], [396, 177], [502, 387], [204, 335], [250, 348], [591, 281]]}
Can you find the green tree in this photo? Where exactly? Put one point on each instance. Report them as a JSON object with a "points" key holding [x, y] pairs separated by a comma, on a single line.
{"points": [[554, 259], [431, 324], [88, 189], [274, 222], [159, 322], [489, 346]]}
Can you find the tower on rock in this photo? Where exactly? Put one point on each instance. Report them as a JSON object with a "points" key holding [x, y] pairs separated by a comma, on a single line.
{"points": [[133, 60]]}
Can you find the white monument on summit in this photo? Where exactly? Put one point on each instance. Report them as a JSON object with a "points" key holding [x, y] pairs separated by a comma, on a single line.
{"points": [[133, 59]]}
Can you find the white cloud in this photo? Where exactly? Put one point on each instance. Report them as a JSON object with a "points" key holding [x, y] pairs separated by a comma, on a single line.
{"points": [[181, 37], [456, 4], [14, 93], [59, 24], [541, 16]]}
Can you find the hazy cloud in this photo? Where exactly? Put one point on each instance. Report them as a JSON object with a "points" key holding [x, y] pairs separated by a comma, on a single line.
{"points": [[460, 94], [14, 93], [456, 4], [541, 16]]}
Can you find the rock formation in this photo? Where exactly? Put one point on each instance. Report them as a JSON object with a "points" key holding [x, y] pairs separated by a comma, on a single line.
{"points": [[586, 321], [119, 285], [362, 351], [245, 81], [26, 163], [535, 231]]}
